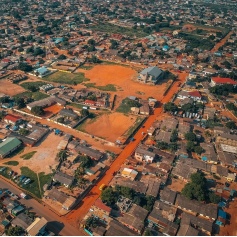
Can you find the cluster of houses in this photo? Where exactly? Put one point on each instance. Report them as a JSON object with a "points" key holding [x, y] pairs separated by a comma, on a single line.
{"points": [[15, 214]]}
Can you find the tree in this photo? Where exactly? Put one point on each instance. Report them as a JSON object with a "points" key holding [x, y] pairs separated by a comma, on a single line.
{"points": [[148, 232], [190, 146], [37, 110], [86, 161], [61, 57], [214, 198], [174, 136], [84, 112], [91, 42], [231, 125], [196, 189], [170, 107], [19, 102], [24, 67], [199, 150], [91, 222], [23, 131], [190, 136], [41, 18], [109, 196], [62, 155], [60, 120], [15, 231]]}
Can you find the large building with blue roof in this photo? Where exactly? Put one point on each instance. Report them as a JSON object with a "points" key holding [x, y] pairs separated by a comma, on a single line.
{"points": [[150, 75]]}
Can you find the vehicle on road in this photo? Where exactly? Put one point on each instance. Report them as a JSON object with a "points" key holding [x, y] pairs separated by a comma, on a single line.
{"points": [[23, 195], [102, 187]]}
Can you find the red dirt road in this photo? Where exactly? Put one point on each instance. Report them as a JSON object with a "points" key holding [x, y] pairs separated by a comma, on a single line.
{"points": [[77, 215], [222, 42]]}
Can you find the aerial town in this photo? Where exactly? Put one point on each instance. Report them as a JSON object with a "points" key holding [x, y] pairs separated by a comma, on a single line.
{"points": [[118, 118]]}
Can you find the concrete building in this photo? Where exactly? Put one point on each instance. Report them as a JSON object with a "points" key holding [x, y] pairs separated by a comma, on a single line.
{"points": [[150, 75], [9, 145]]}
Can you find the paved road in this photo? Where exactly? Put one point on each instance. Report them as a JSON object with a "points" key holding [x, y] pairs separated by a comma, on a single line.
{"points": [[55, 223], [77, 215], [221, 42]]}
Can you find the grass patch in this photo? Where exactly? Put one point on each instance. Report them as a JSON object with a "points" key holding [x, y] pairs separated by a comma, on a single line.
{"points": [[29, 85], [28, 156], [12, 162], [32, 187], [75, 105], [85, 67], [114, 29], [44, 179], [126, 105], [66, 78], [136, 125], [5, 173], [109, 87], [32, 95]]}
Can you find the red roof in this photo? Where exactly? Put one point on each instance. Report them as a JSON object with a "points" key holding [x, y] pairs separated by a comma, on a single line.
{"points": [[91, 102], [224, 80], [12, 118], [99, 204], [195, 94]]}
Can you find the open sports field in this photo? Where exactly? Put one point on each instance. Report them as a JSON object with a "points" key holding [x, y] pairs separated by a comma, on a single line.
{"points": [[124, 80], [54, 109], [110, 126], [9, 88]]}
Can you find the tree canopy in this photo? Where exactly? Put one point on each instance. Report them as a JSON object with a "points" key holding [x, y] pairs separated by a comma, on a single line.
{"points": [[37, 110]]}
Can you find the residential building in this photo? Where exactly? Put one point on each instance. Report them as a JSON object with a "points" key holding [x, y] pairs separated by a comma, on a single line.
{"points": [[168, 196], [222, 81], [150, 75], [63, 178], [38, 227], [142, 154]]}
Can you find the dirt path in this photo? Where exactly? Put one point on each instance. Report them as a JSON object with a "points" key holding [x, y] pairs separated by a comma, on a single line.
{"points": [[222, 42], [77, 215]]}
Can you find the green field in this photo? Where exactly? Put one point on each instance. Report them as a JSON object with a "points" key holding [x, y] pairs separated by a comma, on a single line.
{"points": [[29, 155], [29, 85], [12, 162], [66, 78], [32, 95], [109, 87], [114, 29], [44, 179]]}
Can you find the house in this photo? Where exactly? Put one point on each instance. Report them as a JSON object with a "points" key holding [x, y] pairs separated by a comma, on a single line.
{"points": [[200, 224], [129, 173], [142, 154], [187, 230], [38, 227], [144, 109], [168, 196], [227, 139], [195, 95], [63, 178], [227, 159], [117, 229], [46, 102], [22, 220], [183, 128], [182, 151], [101, 210], [67, 202], [162, 216], [8, 146], [150, 75], [42, 72], [12, 119], [231, 177], [163, 136], [209, 155], [68, 113], [94, 154], [153, 188], [209, 211], [183, 171], [218, 81], [134, 219]]}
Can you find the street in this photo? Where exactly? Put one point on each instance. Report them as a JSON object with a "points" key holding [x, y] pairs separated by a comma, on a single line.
{"points": [[77, 215], [55, 223]]}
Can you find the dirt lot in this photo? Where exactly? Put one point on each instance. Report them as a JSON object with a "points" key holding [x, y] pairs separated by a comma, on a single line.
{"points": [[9, 88], [177, 185], [54, 109], [230, 228], [43, 160], [123, 78], [110, 126]]}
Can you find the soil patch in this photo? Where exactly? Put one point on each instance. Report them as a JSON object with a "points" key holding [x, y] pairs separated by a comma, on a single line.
{"points": [[9, 88]]}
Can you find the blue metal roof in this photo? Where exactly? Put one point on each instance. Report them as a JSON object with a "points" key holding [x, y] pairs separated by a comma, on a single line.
{"points": [[222, 214], [41, 70]]}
